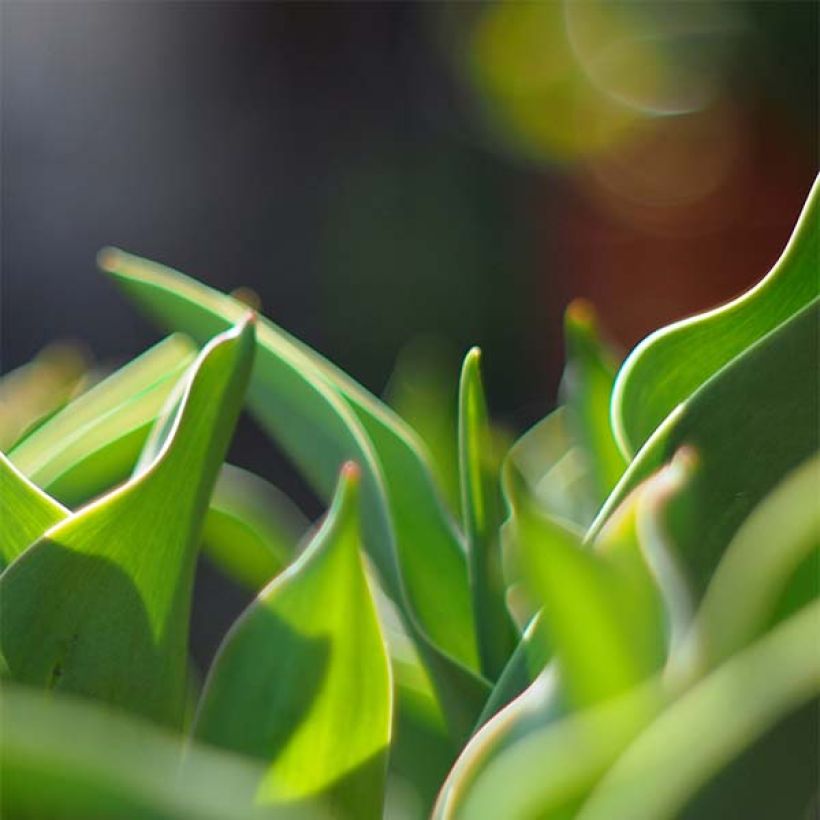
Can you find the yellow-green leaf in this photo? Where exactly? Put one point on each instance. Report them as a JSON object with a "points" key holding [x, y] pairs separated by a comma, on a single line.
{"points": [[482, 516], [100, 604], [303, 681]]}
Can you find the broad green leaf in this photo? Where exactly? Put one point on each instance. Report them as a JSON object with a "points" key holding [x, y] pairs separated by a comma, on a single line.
{"points": [[100, 604], [26, 512], [33, 392], [322, 418], [93, 443], [698, 735], [303, 680], [586, 390], [672, 363], [763, 557], [62, 757], [750, 425], [481, 513], [251, 529]]}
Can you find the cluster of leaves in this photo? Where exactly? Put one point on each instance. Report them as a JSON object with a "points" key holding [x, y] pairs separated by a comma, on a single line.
{"points": [[617, 619]]}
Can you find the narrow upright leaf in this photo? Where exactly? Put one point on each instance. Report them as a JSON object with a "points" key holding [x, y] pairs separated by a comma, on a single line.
{"points": [[303, 680], [481, 511], [587, 390], [26, 512], [100, 604]]}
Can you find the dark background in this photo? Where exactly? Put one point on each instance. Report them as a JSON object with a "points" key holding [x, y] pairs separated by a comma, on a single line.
{"points": [[357, 165]]}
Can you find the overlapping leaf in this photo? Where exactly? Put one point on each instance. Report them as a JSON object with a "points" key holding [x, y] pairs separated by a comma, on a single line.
{"points": [[26, 512], [303, 680], [93, 443], [750, 424], [606, 619], [706, 728], [100, 604], [323, 418]]}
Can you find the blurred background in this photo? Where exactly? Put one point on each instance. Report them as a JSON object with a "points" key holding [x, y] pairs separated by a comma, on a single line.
{"points": [[400, 181]]}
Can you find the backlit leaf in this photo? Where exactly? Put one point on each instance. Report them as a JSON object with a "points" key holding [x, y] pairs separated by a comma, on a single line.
{"points": [[672, 363], [302, 680], [322, 418], [26, 512], [482, 515], [100, 604]]}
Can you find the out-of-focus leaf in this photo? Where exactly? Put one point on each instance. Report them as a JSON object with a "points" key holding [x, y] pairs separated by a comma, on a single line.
{"points": [[323, 418], [303, 679], [554, 468], [763, 557], [481, 512], [607, 616], [33, 392], [586, 391], [599, 609], [750, 425], [251, 529], [62, 757], [547, 773], [711, 724], [93, 443], [672, 363], [422, 389], [100, 604], [26, 512]]}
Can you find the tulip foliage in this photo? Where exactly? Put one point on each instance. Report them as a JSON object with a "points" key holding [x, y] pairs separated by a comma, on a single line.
{"points": [[614, 616]]}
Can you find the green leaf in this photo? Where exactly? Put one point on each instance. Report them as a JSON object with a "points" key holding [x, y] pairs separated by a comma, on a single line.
{"points": [[714, 722], [93, 443], [672, 363], [482, 515], [322, 418], [607, 616], [26, 512], [750, 425], [33, 392], [422, 390], [547, 772], [251, 529], [770, 547], [303, 679], [599, 608], [100, 604], [62, 757], [586, 390]]}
